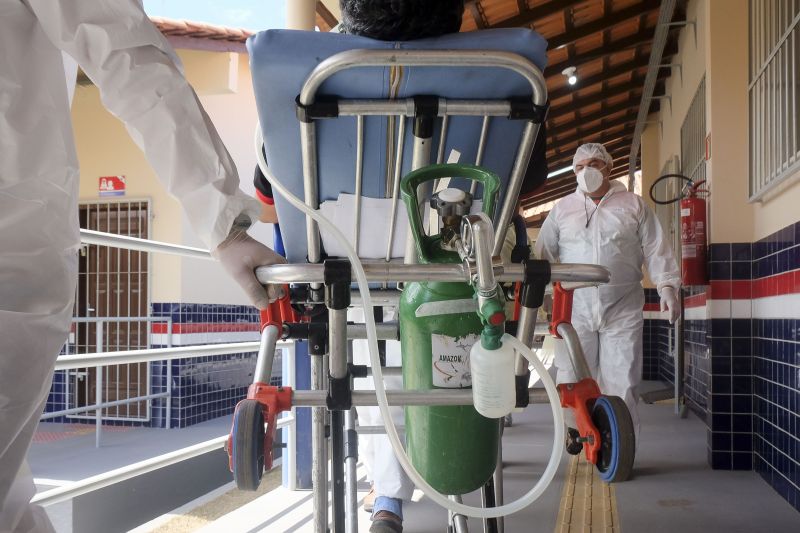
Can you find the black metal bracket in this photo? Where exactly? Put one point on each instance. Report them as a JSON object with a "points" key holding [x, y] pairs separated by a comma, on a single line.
{"points": [[521, 382], [524, 109], [323, 107], [537, 276], [520, 253], [340, 396], [357, 371], [337, 277], [426, 109], [350, 444], [318, 335]]}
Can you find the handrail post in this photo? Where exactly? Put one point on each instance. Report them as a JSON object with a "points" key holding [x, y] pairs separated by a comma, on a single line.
{"points": [[168, 410], [98, 383]]}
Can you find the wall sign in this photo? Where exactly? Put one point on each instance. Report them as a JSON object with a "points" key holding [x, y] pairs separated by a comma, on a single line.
{"points": [[111, 186]]}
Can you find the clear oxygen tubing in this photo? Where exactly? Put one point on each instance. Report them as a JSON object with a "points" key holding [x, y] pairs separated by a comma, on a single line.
{"points": [[380, 391]]}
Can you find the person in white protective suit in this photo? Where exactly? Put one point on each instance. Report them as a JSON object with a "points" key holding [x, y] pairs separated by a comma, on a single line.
{"points": [[140, 82], [603, 223]]}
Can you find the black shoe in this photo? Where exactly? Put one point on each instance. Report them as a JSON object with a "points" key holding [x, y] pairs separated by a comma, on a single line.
{"points": [[386, 522], [573, 445]]}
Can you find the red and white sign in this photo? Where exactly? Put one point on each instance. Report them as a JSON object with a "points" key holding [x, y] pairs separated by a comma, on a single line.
{"points": [[111, 186]]}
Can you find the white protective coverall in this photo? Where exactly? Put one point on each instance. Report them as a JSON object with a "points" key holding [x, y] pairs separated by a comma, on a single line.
{"points": [[622, 235], [383, 468], [135, 69]]}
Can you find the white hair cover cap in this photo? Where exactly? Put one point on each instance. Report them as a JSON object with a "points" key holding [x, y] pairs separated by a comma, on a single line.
{"points": [[590, 151]]}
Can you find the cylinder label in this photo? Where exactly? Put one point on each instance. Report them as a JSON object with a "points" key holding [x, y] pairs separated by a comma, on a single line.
{"points": [[451, 360]]}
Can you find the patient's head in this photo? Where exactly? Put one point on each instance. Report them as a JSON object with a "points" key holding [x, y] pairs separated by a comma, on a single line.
{"points": [[401, 20]]}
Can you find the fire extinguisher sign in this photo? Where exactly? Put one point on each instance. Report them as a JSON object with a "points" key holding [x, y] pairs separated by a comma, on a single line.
{"points": [[111, 186]]}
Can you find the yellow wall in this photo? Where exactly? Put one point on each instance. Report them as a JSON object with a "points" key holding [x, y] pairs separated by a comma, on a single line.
{"points": [[779, 210], [722, 54], [727, 114], [105, 149], [222, 80]]}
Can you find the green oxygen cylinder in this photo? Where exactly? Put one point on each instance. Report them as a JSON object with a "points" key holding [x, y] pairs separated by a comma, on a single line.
{"points": [[453, 447]]}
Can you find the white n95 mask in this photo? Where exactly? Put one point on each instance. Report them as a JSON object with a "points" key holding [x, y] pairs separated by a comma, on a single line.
{"points": [[589, 180]]}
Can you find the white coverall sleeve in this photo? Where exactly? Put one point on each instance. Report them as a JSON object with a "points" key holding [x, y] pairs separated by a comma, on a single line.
{"points": [[546, 246], [659, 259], [140, 82]]}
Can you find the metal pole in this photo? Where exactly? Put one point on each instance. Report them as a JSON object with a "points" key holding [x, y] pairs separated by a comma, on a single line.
{"points": [[459, 520], [168, 409], [351, 476], [142, 245], [514, 185], [317, 398], [337, 342], [98, 383], [266, 354], [291, 438], [498, 483], [576, 356], [385, 331], [319, 462], [337, 471], [391, 271], [525, 333]]}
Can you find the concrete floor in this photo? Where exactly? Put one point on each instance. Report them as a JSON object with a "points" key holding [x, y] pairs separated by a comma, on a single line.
{"points": [[673, 488]]}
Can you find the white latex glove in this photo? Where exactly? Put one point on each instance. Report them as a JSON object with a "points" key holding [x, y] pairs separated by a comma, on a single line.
{"points": [[669, 302], [240, 255]]}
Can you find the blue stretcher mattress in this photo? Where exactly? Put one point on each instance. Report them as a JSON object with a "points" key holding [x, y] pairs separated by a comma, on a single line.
{"points": [[281, 60]]}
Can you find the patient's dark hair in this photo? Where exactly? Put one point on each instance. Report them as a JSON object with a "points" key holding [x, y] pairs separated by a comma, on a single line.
{"points": [[400, 20]]}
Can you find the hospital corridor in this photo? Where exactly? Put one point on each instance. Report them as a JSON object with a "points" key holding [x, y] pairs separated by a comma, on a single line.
{"points": [[386, 266]]}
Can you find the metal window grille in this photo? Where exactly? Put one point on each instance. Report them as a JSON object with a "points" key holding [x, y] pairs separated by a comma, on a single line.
{"points": [[669, 215], [113, 282], [693, 136], [773, 93]]}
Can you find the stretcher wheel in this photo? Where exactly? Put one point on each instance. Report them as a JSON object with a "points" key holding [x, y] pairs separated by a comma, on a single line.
{"points": [[617, 438], [248, 445]]}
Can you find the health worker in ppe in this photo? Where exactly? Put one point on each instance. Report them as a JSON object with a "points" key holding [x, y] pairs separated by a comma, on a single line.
{"points": [[603, 223], [140, 81]]}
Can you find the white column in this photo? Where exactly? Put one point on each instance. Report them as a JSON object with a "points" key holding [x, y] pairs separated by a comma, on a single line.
{"points": [[301, 14]]}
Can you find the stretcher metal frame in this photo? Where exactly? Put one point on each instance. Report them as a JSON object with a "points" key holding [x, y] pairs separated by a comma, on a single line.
{"points": [[335, 361]]}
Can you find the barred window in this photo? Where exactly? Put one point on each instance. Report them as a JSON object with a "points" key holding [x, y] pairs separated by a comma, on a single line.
{"points": [[693, 137], [773, 93], [668, 214]]}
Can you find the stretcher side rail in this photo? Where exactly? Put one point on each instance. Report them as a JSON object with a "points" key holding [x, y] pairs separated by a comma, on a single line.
{"points": [[396, 272]]}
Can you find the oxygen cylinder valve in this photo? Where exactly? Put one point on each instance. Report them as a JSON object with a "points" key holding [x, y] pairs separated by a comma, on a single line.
{"points": [[451, 204]]}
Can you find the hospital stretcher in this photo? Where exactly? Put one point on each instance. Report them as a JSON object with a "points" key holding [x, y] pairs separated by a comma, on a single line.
{"points": [[346, 114]]}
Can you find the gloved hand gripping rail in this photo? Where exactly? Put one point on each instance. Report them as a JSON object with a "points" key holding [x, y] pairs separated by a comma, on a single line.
{"points": [[380, 391]]}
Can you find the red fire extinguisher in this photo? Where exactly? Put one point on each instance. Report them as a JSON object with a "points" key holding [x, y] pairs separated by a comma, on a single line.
{"points": [[694, 229], [693, 237]]}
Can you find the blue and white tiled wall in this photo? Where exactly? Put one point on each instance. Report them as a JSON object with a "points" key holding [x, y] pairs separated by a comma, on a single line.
{"points": [[742, 343], [203, 388]]}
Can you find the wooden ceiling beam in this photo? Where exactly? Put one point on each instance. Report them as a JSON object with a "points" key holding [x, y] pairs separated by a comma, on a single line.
{"points": [[620, 45], [585, 83], [603, 23], [594, 130], [327, 17], [477, 14], [634, 84], [532, 14], [587, 118]]}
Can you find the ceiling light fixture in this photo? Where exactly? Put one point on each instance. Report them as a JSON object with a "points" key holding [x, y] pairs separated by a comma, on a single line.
{"points": [[569, 72]]}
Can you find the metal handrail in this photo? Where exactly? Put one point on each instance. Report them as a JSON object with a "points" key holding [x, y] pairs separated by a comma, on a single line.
{"points": [[117, 475], [66, 362], [141, 245]]}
